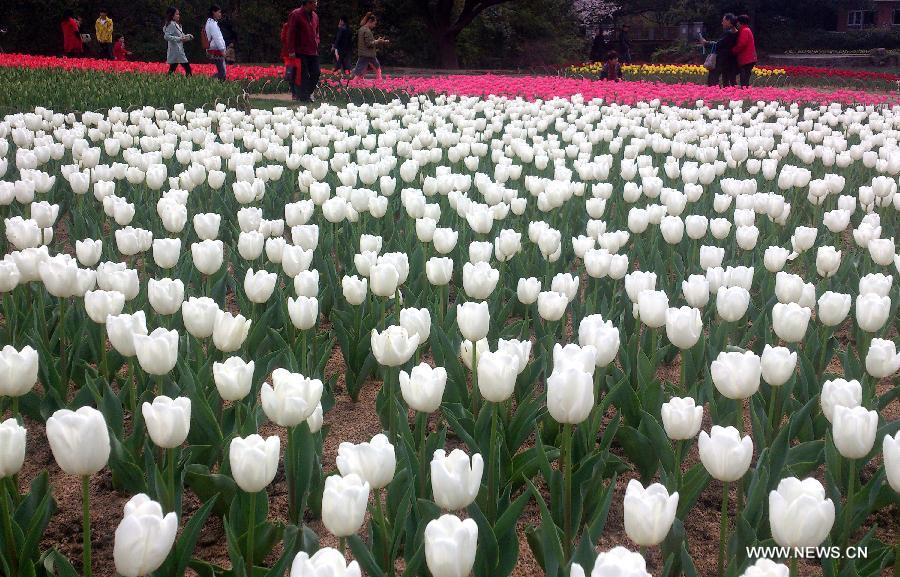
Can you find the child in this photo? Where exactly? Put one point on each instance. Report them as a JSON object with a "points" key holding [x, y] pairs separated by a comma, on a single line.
{"points": [[119, 52], [612, 70]]}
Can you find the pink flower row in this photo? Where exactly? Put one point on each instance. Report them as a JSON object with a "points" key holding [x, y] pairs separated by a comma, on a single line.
{"points": [[547, 87]]}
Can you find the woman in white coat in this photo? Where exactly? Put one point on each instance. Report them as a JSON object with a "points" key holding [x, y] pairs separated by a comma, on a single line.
{"points": [[175, 38]]}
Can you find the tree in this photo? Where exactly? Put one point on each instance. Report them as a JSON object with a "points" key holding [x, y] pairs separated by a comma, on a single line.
{"points": [[445, 22], [593, 13]]}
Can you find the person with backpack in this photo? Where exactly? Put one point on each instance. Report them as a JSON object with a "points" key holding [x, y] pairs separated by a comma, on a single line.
{"points": [[175, 39], [214, 42], [303, 43]]}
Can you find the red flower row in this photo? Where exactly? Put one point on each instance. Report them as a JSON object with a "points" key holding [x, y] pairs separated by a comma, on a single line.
{"points": [[235, 72]]}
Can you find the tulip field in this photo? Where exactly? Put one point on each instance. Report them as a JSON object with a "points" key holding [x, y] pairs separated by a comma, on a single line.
{"points": [[623, 330]]}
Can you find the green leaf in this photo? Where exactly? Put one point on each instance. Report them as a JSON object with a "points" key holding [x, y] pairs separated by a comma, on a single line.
{"points": [[363, 555]]}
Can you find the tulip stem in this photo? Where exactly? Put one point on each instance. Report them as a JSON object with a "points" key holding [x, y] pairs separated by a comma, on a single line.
{"points": [[475, 381], [15, 410], [723, 529], [382, 520], [773, 407], [251, 530], [172, 466], [795, 572], [303, 356], [679, 450], [422, 429], [61, 328], [133, 388], [568, 465], [86, 525], [8, 530], [492, 465], [342, 546], [848, 514], [101, 344], [388, 383]]}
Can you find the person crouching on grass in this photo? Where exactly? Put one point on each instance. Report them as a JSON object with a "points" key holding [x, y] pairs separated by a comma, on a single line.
{"points": [[612, 69], [367, 48]]}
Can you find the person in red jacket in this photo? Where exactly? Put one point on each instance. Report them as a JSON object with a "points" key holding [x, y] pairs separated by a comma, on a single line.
{"points": [[744, 50], [291, 65], [120, 53], [72, 43], [303, 44]]}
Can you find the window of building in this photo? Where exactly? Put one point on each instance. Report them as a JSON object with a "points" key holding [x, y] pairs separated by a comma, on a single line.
{"points": [[861, 18]]}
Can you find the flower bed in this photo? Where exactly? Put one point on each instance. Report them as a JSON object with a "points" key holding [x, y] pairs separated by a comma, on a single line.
{"points": [[625, 92]]}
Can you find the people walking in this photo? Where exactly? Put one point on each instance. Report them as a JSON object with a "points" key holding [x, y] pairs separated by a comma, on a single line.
{"points": [[744, 50], [104, 30], [70, 26], [175, 39], [367, 48], [303, 41], [343, 44], [214, 42], [724, 72]]}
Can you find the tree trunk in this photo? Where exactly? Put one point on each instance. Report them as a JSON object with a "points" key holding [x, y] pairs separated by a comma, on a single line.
{"points": [[446, 50]]}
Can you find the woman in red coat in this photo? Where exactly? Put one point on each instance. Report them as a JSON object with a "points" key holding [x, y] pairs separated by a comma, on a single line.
{"points": [[744, 49], [72, 44]]}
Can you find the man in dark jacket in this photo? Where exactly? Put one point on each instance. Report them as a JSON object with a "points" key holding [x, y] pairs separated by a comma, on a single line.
{"points": [[343, 45], [726, 62], [303, 39], [624, 44]]}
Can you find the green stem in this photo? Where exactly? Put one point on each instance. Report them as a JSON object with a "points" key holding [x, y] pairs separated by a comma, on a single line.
{"points": [[382, 520], [86, 525], [723, 530], [172, 466], [133, 388], [773, 404], [567, 495], [342, 546], [289, 475], [8, 534], [303, 355], [62, 342], [15, 410], [475, 392], [679, 450], [795, 572], [848, 513], [422, 430], [389, 383], [492, 465], [251, 530], [102, 346]]}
